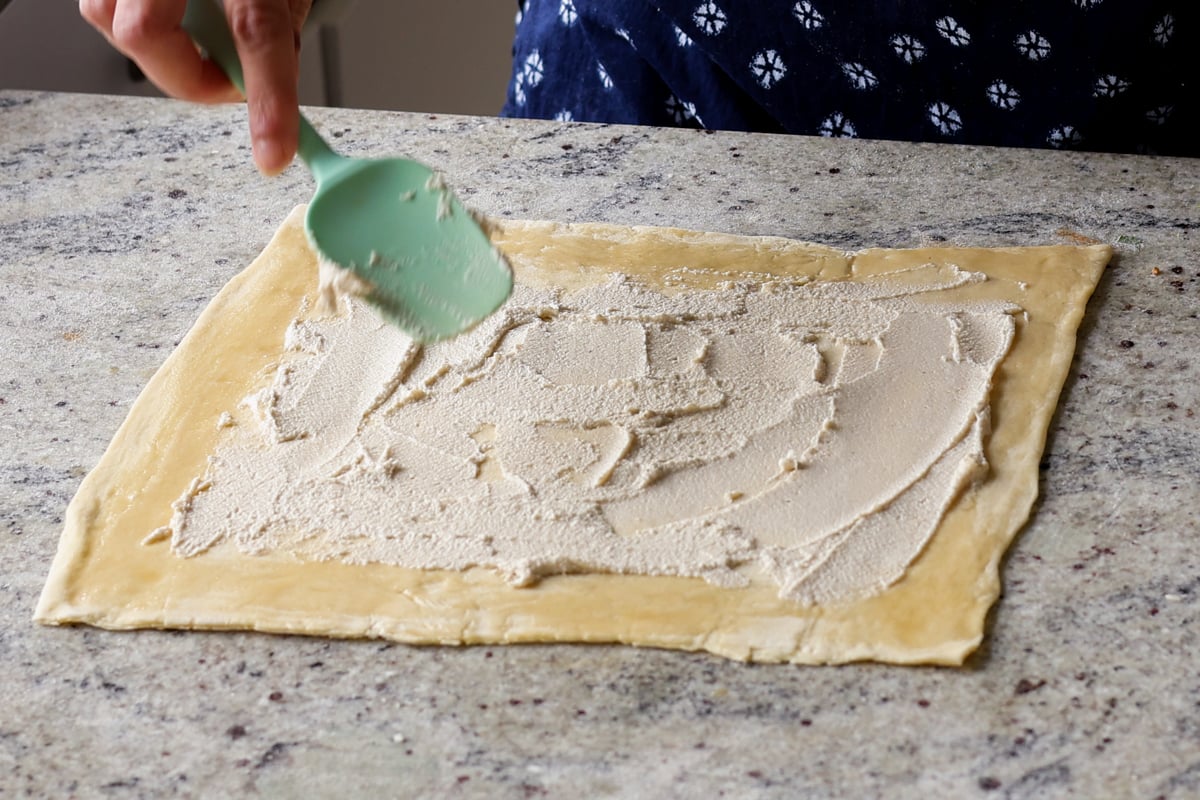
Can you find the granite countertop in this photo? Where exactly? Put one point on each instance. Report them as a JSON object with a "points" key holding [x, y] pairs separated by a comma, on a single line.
{"points": [[121, 218]]}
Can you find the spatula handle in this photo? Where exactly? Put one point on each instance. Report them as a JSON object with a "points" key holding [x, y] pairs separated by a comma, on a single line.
{"points": [[320, 158], [205, 22]]}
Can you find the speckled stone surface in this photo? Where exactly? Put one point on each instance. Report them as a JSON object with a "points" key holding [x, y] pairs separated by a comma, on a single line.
{"points": [[121, 218]]}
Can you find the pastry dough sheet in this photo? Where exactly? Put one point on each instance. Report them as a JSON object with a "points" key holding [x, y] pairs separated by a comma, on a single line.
{"points": [[105, 575]]}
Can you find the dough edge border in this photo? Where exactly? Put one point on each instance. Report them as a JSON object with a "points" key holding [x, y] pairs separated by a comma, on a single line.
{"points": [[102, 575]]}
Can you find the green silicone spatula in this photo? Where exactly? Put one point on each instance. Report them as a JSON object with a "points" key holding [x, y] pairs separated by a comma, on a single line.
{"points": [[421, 259]]}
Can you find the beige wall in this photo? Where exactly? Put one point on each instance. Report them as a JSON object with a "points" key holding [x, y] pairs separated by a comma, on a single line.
{"points": [[451, 56]]}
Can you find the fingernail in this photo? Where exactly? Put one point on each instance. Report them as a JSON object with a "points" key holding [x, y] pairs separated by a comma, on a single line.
{"points": [[268, 154]]}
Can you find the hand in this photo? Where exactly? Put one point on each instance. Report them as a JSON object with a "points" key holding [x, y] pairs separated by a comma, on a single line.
{"points": [[267, 33]]}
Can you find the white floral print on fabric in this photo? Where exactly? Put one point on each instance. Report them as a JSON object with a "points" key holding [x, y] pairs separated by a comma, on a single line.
{"points": [[952, 31], [624, 34], [945, 118], [808, 15], [1164, 29], [531, 74], [768, 68], [681, 37], [1033, 46], [1003, 96], [1064, 136], [909, 48], [1160, 115], [1088, 3], [1109, 86], [680, 111], [709, 18], [564, 116], [605, 78], [836, 126], [535, 69], [566, 12], [859, 76]]}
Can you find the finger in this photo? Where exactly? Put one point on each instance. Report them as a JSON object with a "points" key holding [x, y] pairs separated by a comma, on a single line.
{"points": [[149, 32], [99, 14], [268, 42], [300, 9], [203, 82]]}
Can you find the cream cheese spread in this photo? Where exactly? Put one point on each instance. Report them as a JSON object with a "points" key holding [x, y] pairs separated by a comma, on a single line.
{"points": [[810, 434]]}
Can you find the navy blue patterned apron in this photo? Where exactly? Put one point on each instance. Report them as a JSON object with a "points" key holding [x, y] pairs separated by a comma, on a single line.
{"points": [[1111, 75]]}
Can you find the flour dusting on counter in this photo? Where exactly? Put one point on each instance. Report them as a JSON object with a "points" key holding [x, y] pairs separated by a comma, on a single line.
{"points": [[811, 434]]}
